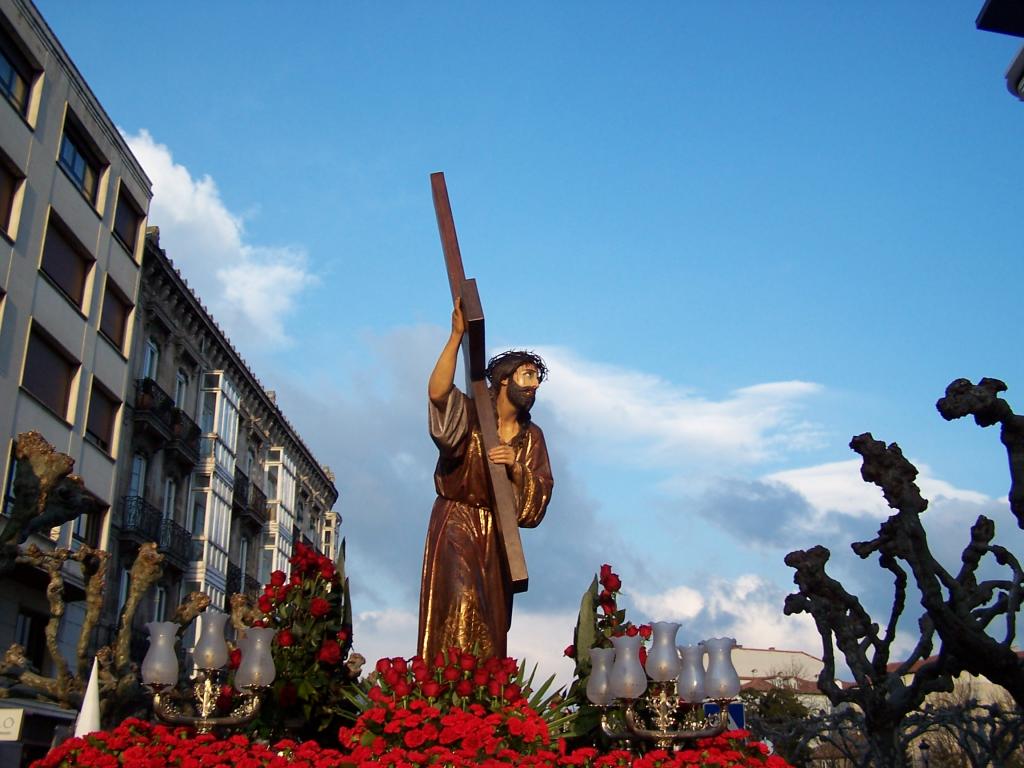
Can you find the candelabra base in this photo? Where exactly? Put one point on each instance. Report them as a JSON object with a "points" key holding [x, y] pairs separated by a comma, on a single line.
{"points": [[205, 692], [660, 716]]}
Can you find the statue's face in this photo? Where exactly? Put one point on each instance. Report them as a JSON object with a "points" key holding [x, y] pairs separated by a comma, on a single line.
{"points": [[522, 386]]}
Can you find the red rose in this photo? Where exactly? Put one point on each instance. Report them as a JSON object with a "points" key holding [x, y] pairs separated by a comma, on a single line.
{"points": [[431, 689], [402, 688], [327, 570], [451, 674], [613, 583], [235, 658], [632, 631], [319, 607], [330, 652], [608, 608], [494, 688], [464, 688], [645, 631], [277, 578], [511, 692], [391, 677], [383, 665], [643, 656], [606, 571], [295, 580], [467, 661], [343, 635], [420, 674], [284, 638], [266, 604], [570, 651], [480, 677], [400, 665]]}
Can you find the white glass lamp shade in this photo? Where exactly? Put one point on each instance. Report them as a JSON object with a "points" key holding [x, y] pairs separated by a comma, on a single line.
{"points": [[721, 681], [160, 667], [691, 675], [663, 658], [599, 683], [212, 650], [257, 667], [628, 680]]}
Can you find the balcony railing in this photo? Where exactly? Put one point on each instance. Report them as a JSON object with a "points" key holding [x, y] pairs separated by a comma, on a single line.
{"points": [[242, 485], [183, 446], [153, 409], [143, 522], [249, 500]]}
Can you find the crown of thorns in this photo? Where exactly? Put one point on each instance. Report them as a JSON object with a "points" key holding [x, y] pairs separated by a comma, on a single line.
{"points": [[505, 364]]}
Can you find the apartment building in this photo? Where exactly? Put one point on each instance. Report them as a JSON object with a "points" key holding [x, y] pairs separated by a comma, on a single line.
{"points": [[106, 351], [209, 467], [73, 206]]}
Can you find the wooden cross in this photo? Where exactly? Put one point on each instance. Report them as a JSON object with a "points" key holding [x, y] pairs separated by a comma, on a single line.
{"points": [[474, 359]]}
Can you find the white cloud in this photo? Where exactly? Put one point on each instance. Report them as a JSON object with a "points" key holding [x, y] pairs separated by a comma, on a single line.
{"points": [[676, 603], [541, 638], [250, 289], [604, 404], [837, 488], [386, 633]]}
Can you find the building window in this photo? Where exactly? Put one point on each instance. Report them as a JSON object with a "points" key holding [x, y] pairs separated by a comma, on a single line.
{"points": [[127, 218], [10, 183], [103, 407], [30, 634], [206, 418], [86, 529], [49, 373], [16, 74], [197, 515], [170, 491], [9, 487], [180, 389], [114, 318], [160, 604], [65, 262], [79, 160], [150, 359], [243, 554], [137, 480]]}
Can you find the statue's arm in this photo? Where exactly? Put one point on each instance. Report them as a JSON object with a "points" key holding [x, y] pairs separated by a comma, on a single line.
{"points": [[534, 488], [442, 378]]}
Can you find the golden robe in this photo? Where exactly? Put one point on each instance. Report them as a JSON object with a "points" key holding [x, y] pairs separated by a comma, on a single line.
{"points": [[464, 601]]}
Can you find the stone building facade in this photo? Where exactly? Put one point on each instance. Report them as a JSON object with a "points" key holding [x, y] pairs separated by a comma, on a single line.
{"points": [[209, 467]]}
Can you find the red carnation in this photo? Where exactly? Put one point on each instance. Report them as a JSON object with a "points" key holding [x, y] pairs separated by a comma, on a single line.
{"points": [[319, 607]]}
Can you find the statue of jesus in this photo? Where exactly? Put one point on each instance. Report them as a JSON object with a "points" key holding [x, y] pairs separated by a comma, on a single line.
{"points": [[465, 601]]}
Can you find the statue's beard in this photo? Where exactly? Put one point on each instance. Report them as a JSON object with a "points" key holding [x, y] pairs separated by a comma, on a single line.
{"points": [[522, 398]]}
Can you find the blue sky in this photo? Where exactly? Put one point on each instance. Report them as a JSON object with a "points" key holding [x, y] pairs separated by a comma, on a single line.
{"points": [[740, 233]]}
